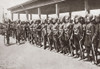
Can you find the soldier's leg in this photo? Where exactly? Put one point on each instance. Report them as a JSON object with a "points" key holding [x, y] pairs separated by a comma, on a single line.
{"points": [[44, 41], [19, 38], [7, 39], [49, 43], [88, 52], [94, 53], [71, 47], [56, 43], [61, 44]]}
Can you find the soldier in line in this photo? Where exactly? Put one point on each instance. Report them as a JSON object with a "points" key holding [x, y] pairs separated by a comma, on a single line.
{"points": [[38, 32], [61, 36], [31, 32], [56, 34], [50, 33], [77, 35], [26, 30], [96, 39], [18, 30], [7, 34], [90, 31], [68, 26], [44, 33]]}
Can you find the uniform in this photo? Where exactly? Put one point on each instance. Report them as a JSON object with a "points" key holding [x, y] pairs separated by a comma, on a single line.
{"points": [[32, 33], [44, 34], [96, 39], [8, 33], [67, 33], [18, 36], [38, 32], [77, 35], [55, 36], [61, 36], [90, 30], [26, 30], [50, 35]]}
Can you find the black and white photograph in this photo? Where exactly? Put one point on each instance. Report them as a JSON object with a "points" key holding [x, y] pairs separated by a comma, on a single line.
{"points": [[49, 34]]}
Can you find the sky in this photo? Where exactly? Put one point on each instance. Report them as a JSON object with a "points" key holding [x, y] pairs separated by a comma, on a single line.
{"points": [[9, 3]]}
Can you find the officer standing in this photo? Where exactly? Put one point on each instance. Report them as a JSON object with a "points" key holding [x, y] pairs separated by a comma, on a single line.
{"points": [[8, 32]]}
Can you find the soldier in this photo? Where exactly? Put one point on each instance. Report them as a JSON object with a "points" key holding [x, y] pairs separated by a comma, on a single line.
{"points": [[90, 30], [77, 35], [55, 34], [61, 35], [50, 33], [38, 32], [18, 36], [26, 30], [81, 42], [44, 32], [68, 26], [96, 39], [8, 31], [31, 35]]}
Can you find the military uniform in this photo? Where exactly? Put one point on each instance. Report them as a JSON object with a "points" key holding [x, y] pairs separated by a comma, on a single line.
{"points": [[18, 36], [50, 35], [55, 36], [8, 33], [38, 32], [32, 33], [61, 36], [26, 30], [77, 35], [90, 30], [44, 34], [67, 33], [96, 38]]}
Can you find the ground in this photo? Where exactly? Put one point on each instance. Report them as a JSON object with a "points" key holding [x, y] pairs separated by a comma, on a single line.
{"points": [[27, 56]]}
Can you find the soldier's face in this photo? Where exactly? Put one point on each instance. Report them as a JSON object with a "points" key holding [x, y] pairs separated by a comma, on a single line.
{"points": [[88, 19], [54, 21], [76, 20], [48, 21]]}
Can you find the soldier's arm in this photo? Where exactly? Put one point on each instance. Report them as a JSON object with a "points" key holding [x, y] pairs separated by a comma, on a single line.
{"points": [[81, 31]]}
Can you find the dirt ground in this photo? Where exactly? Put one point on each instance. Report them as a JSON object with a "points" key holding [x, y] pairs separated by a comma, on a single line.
{"points": [[27, 56]]}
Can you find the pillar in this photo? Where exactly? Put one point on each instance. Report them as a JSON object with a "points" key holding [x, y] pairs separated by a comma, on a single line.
{"points": [[27, 17], [86, 4], [57, 10], [30, 16], [39, 13], [12, 16], [47, 16], [70, 14], [19, 16]]}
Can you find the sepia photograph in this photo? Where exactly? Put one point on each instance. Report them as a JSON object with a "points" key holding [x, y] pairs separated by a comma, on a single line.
{"points": [[49, 34]]}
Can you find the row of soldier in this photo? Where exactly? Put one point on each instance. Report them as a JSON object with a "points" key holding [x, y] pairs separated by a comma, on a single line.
{"points": [[78, 37]]}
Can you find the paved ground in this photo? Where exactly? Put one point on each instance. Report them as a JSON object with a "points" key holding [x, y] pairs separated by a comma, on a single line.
{"points": [[27, 56]]}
